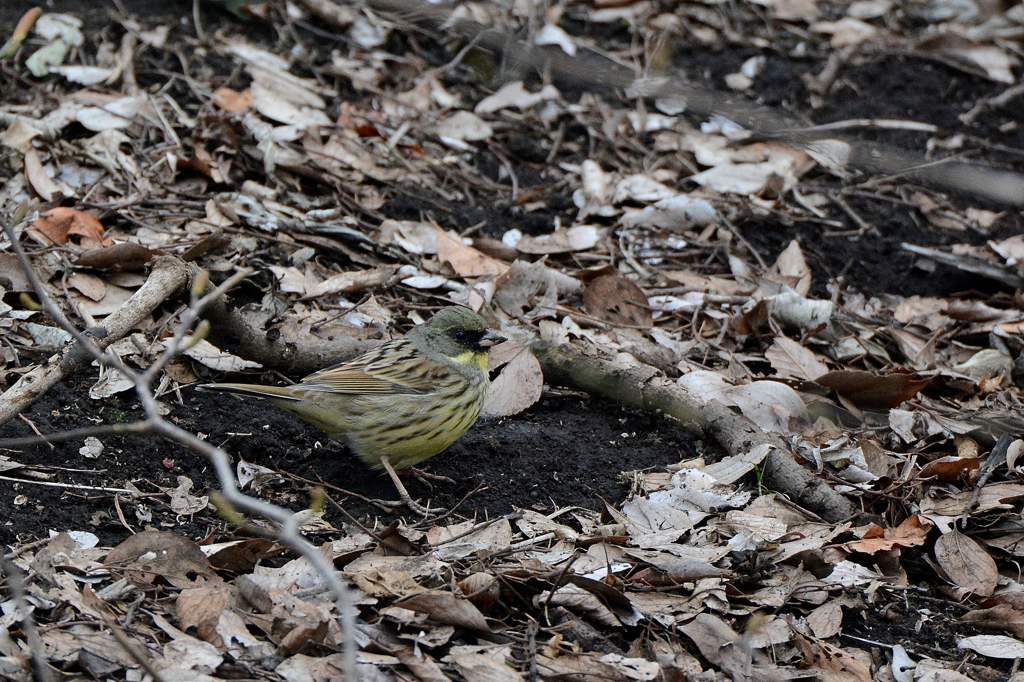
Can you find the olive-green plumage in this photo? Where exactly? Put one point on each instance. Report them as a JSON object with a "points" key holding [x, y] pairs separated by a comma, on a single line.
{"points": [[406, 400]]}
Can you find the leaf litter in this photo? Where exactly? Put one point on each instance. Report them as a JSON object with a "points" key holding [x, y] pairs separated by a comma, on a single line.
{"points": [[424, 187]]}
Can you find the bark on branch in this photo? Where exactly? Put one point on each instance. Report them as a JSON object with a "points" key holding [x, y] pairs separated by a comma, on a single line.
{"points": [[636, 387], [287, 350], [169, 275]]}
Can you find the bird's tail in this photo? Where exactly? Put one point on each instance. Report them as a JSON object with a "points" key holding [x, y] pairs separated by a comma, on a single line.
{"points": [[277, 392]]}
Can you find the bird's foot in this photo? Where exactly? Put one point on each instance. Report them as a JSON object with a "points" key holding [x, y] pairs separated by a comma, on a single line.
{"points": [[426, 477], [406, 499]]}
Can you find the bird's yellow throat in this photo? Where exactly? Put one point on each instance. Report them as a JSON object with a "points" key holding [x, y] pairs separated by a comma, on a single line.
{"points": [[472, 358]]}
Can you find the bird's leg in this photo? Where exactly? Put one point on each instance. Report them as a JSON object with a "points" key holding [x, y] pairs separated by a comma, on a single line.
{"points": [[404, 494]]}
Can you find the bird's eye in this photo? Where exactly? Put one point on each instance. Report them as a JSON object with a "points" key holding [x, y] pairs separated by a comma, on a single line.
{"points": [[460, 335]]}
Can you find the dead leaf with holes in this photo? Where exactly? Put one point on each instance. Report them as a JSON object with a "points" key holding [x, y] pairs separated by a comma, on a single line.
{"points": [[152, 554], [59, 225]]}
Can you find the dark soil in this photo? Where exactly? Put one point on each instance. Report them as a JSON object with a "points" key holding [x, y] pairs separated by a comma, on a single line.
{"points": [[564, 451]]}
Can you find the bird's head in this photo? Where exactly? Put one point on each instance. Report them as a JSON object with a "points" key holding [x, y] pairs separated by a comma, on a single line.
{"points": [[458, 334]]}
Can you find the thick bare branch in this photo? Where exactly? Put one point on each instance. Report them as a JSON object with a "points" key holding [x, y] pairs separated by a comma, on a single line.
{"points": [[245, 335], [641, 388]]}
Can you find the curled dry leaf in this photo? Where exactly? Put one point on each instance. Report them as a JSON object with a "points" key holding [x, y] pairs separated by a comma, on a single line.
{"points": [[874, 391], [519, 386], [60, 224], [579, 238], [41, 182], [993, 646], [966, 563], [950, 468], [912, 532], [126, 256], [617, 299], [206, 353], [352, 282]]}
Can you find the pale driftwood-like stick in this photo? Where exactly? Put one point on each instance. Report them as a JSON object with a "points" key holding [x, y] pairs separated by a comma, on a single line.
{"points": [[169, 275], [637, 387]]}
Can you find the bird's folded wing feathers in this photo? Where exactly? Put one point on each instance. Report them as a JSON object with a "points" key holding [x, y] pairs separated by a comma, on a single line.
{"points": [[385, 370]]}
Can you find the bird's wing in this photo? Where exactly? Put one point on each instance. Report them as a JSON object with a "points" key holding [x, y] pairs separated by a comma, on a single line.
{"points": [[394, 367]]}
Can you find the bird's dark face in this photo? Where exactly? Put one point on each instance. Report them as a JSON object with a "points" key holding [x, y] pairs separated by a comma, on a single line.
{"points": [[459, 334]]}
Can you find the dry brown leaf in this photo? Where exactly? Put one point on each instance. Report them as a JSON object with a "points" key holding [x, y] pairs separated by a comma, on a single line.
{"points": [[793, 268], [618, 300], [352, 282], [232, 101], [874, 391], [447, 609], [791, 360], [201, 608], [519, 386], [89, 286], [465, 260], [1003, 612], [483, 663], [595, 666], [126, 256], [993, 646], [826, 620], [912, 532], [44, 186], [151, 554], [966, 563], [59, 224], [950, 468], [834, 663]]}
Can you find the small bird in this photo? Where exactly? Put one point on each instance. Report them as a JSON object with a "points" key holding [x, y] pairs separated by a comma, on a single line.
{"points": [[402, 402]]}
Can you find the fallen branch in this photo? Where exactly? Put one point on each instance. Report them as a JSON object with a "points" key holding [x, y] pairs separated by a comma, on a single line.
{"points": [[641, 388], [245, 333], [169, 275]]}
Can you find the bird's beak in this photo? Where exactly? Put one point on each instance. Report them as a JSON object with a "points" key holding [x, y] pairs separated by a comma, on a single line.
{"points": [[491, 339]]}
